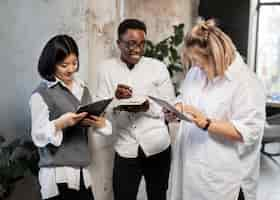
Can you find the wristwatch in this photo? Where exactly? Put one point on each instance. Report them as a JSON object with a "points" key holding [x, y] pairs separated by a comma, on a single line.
{"points": [[205, 128]]}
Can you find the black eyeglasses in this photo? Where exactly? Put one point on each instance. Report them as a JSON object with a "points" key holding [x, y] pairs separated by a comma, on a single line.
{"points": [[130, 45]]}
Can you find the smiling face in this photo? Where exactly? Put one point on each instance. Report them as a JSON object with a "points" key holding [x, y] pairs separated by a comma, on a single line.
{"points": [[66, 69], [131, 45]]}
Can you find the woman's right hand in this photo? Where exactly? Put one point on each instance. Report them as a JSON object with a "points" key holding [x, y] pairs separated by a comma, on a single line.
{"points": [[68, 119]]}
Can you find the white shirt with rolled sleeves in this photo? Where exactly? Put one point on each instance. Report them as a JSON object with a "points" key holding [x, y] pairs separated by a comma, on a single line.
{"points": [[206, 166], [43, 133], [147, 129]]}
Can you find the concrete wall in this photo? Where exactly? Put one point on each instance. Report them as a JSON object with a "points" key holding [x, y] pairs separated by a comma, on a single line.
{"points": [[25, 28], [160, 15]]}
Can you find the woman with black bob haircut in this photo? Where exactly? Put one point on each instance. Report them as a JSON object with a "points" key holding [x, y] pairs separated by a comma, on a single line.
{"points": [[54, 52], [61, 134]]}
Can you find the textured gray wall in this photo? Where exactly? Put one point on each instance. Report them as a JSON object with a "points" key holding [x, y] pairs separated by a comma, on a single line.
{"points": [[25, 28]]}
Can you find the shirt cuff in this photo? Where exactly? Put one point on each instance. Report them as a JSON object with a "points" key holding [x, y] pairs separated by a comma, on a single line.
{"points": [[249, 138], [54, 137]]}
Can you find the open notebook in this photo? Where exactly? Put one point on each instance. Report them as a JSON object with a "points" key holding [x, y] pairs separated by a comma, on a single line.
{"points": [[133, 104]]}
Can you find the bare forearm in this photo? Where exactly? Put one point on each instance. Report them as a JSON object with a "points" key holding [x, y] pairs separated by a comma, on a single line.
{"points": [[225, 129], [217, 127]]}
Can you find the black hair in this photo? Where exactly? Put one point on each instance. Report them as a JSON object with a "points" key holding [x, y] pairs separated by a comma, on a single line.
{"points": [[131, 24], [54, 52]]}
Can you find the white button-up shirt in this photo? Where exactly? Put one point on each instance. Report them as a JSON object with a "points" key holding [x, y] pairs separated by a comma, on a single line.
{"points": [[43, 133], [207, 166], [147, 129]]}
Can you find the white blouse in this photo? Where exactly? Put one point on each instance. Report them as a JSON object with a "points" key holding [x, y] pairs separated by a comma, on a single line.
{"points": [[207, 166], [145, 129]]}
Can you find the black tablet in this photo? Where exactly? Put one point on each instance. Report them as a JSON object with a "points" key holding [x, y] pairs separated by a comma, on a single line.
{"points": [[95, 108]]}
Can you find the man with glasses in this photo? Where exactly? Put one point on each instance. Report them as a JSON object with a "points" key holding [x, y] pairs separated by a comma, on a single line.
{"points": [[143, 143]]}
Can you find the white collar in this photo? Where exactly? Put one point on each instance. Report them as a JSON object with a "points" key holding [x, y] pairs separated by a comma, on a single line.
{"points": [[57, 80], [125, 65]]}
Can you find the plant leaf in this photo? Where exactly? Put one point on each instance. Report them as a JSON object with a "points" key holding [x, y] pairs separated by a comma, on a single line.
{"points": [[179, 34]]}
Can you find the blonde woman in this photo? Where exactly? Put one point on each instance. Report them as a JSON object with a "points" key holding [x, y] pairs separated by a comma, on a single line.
{"points": [[218, 152]]}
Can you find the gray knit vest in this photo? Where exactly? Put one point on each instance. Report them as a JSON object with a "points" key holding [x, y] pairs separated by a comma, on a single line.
{"points": [[74, 150]]}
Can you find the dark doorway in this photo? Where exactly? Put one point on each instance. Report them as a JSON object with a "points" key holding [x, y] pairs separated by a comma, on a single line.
{"points": [[233, 18]]}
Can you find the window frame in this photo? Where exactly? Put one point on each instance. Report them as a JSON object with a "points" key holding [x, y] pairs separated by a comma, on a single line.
{"points": [[258, 8]]}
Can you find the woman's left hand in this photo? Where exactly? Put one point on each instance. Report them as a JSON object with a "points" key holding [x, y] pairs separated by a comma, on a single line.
{"points": [[196, 116], [95, 121]]}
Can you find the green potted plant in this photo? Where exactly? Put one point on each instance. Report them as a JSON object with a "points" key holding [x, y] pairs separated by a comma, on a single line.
{"points": [[18, 159]]}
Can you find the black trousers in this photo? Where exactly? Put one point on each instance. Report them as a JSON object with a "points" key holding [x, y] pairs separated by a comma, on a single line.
{"points": [[128, 172], [70, 194]]}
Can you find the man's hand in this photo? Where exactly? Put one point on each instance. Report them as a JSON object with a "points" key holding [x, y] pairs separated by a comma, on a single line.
{"points": [[123, 91]]}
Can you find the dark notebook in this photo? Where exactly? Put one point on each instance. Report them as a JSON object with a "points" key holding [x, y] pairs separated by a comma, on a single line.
{"points": [[95, 108], [133, 104]]}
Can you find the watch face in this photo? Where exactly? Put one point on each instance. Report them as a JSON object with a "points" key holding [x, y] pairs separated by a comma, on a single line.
{"points": [[207, 124]]}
